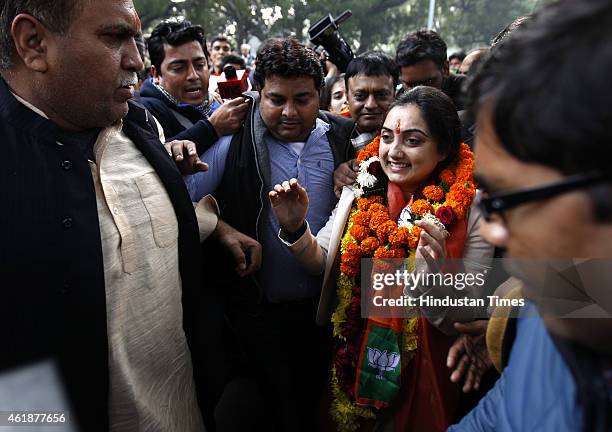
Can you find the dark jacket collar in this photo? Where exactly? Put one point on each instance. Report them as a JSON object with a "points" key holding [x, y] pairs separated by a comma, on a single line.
{"points": [[23, 118], [137, 113], [148, 90]]}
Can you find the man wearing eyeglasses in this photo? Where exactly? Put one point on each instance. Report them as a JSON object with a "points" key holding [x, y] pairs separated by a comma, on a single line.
{"points": [[421, 57], [544, 166]]}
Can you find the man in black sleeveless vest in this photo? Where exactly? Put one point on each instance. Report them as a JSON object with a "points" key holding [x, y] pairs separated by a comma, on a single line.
{"points": [[273, 313]]}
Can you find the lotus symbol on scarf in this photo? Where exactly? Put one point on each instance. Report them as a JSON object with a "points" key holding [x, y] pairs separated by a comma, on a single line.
{"points": [[382, 361]]}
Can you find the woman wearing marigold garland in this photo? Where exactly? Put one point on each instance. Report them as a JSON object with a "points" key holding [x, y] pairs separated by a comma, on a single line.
{"points": [[413, 199]]}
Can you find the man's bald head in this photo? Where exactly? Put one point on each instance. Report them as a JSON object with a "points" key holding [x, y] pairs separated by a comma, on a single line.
{"points": [[472, 57]]}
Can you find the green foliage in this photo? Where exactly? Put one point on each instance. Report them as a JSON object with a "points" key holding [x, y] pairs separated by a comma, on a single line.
{"points": [[151, 11], [378, 24], [375, 24], [471, 23]]}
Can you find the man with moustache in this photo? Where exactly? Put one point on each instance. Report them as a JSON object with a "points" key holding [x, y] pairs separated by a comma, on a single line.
{"points": [[103, 274], [370, 88], [544, 166], [284, 136]]}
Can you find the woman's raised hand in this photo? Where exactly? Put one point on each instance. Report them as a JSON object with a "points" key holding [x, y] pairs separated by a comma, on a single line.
{"points": [[432, 245], [290, 204]]}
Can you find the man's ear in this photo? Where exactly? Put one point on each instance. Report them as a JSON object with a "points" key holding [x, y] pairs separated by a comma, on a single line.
{"points": [[31, 42], [445, 70], [156, 74]]}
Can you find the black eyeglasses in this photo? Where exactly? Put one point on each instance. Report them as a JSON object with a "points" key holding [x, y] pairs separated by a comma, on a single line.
{"points": [[497, 203]]}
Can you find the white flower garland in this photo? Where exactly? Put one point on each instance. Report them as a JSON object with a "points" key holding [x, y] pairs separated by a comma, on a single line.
{"points": [[406, 219], [364, 178]]}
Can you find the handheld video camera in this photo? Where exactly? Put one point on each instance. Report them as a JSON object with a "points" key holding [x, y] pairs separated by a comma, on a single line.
{"points": [[325, 33]]}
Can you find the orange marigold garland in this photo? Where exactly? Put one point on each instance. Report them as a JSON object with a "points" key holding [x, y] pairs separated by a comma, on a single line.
{"points": [[371, 232], [369, 245], [362, 218], [378, 208], [434, 193], [447, 176], [416, 231], [377, 219], [385, 229], [364, 203], [421, 207], [399, 238], [371, 150], [359, 232]]}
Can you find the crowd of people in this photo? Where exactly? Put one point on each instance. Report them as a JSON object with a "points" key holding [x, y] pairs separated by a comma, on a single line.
{"points": [[188, 263]]}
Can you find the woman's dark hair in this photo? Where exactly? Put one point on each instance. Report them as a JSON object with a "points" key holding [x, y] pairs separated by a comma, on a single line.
{"points": [[287, 58], [440, 114], [174, 33], [326, 91], [548, 87]]}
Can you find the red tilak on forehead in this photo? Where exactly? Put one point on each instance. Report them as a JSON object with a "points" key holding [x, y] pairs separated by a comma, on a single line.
{"points": [[137, 22], [398, 129]]}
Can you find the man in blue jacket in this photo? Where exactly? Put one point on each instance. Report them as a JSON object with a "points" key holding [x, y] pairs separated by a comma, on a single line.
{"points": [[542, 153], [177, 93]]}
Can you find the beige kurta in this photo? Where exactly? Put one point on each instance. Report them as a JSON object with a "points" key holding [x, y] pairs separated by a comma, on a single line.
{"points": [[151, 380], [150, 370]]}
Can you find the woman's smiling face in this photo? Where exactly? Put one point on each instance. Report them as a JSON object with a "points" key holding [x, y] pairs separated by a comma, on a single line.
{"points": [[408, 153]]}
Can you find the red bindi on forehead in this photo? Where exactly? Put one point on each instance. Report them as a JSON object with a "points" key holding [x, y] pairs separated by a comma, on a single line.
{"points": [[398, 129], [137, 21]]}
